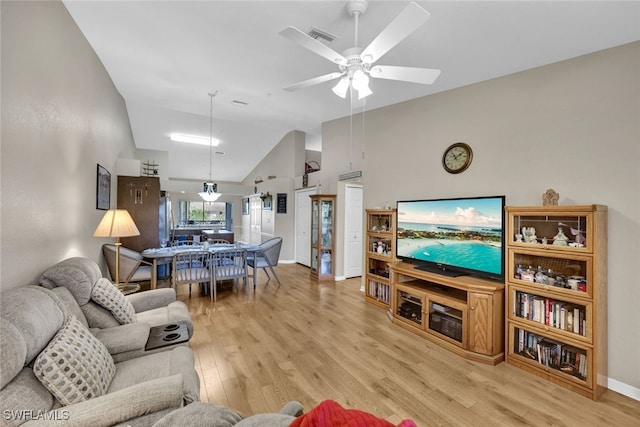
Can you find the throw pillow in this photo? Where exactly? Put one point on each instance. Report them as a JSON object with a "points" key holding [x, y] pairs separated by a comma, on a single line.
{"points": [[74, 366], [109, 297]]}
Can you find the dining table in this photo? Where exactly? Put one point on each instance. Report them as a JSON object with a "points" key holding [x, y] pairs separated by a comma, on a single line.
{"points": [[165, 255]]}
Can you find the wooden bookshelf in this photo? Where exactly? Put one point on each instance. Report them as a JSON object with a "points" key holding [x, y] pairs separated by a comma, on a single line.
{"points": [[556, 307], [380, 250]]}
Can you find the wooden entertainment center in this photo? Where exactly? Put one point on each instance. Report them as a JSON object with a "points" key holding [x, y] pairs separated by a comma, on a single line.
{"points": [[463, 314]]}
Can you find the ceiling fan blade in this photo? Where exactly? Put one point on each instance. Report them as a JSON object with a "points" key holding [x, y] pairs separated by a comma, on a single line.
{"points": [[412, 17], [408, 74], [311, 82], [303, 39]]}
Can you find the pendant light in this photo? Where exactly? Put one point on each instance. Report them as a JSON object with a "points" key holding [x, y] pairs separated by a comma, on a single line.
{"points": [[209, 193]]}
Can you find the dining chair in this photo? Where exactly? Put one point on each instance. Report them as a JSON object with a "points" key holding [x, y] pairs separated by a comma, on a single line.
{"points": [[266, 258], [133, 268], [176, 243], [191, 267], [228, 264]]}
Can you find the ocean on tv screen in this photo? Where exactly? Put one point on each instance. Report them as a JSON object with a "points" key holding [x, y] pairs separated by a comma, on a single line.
{"points": [[469, 247]]}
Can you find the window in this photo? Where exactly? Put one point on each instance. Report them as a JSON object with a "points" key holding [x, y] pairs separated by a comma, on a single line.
{"points": [[214, 214]]}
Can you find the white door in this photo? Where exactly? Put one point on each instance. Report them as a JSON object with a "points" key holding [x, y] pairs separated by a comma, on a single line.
{"points": [[255, 215], [303, 226], [353, 212]]}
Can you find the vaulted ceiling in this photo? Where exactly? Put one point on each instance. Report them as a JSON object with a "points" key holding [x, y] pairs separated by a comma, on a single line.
{"points": [[165, 57]]}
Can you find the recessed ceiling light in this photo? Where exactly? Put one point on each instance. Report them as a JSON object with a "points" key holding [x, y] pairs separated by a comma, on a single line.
{"points": [[194, 139]]}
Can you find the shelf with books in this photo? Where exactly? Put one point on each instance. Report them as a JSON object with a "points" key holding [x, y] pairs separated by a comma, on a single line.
{"points": [[556, 360], [379, 251], [550, 313], [556, 309]]}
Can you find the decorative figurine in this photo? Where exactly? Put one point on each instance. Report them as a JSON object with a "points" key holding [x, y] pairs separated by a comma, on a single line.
{"points": [[580, 240], [550, 198], [529, 234], [560, 239]]}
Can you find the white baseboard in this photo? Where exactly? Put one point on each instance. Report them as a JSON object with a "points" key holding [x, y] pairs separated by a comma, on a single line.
{"points": [[622, 388]]}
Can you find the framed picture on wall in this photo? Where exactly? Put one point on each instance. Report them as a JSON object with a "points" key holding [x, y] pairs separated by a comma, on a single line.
{"points": [[245, 206], [103, 189], [281, 203]]}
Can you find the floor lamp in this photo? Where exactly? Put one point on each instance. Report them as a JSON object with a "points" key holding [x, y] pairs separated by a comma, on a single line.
{"points": [[117, 223]]}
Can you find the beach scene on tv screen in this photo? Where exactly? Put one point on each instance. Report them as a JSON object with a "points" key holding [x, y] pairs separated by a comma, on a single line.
{"points": [[462, 233]]}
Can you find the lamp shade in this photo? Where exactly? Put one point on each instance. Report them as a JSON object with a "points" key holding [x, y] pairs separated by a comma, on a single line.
{"points": [[116, 223], [341, 88]]}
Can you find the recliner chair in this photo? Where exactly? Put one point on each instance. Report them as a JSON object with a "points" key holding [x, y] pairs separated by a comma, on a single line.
{"points": [[152, 308], [49, 358]]}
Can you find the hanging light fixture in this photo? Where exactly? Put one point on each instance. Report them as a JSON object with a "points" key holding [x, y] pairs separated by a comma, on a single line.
{"points": [[209, 193], [356, 78]]}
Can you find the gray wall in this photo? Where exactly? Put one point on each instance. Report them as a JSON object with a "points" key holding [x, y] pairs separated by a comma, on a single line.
{"points": [[61, 115], [573, 126]]}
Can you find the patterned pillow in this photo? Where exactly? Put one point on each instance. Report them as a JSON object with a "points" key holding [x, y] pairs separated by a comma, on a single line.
{"points": [[74, 366], [108, 296]]}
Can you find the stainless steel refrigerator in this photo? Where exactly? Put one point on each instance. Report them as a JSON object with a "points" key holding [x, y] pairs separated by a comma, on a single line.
{"points": [[165, 230]]}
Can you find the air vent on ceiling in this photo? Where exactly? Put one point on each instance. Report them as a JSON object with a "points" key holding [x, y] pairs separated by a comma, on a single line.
{"points": [[235, 101], [219, 153], [321, 35]]}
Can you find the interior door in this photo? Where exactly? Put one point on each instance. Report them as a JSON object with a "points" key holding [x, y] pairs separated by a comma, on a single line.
{"points": [[255, 215], [353, 231], [303, 226]]}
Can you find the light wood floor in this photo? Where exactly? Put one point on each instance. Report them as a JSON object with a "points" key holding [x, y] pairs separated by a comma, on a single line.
{"points": [[311, 341]]}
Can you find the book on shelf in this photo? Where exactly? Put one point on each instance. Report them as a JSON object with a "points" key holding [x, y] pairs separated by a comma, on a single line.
{"points": [[378, 291], [552, 354], [550, 312]]}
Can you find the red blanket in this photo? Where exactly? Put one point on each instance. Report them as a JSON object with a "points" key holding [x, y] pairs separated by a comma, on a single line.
{"points": [[331, 414]]}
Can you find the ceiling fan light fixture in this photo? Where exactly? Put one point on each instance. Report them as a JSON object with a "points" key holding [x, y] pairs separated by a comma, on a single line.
{"points": [[360, 82], [341, 88]]}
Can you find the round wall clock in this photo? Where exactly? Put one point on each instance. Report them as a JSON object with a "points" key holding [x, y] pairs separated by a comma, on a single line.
{"points": [[457, 157]]}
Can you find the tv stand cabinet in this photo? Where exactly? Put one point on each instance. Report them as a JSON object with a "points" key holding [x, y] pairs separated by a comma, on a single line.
{"points": [[463, 314]]}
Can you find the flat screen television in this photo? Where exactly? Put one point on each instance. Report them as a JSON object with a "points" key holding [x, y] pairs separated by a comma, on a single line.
{"points": [[453, 237]]}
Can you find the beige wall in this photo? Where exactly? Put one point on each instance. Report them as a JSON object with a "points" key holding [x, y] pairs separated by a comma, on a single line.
{"points": [[61, 115], [573, 126]]}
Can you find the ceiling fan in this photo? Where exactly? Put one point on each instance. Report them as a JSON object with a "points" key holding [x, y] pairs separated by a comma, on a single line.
{"points": [[356, 64]]}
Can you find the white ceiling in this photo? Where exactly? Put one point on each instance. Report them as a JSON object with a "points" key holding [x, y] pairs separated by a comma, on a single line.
{"points": [[166, 56]]}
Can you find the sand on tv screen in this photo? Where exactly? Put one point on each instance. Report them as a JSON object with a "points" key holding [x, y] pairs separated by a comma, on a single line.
{"points": [[464, 233]]}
